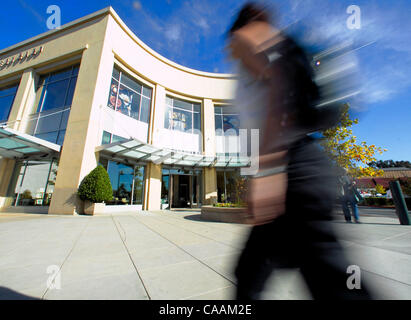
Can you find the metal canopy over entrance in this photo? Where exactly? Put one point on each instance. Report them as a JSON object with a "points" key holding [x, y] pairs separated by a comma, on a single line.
{"points": [[17, 145], [142, 152]]}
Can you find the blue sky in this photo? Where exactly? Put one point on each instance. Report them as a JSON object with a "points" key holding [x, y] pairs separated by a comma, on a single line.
{"points": [[192, 33]]}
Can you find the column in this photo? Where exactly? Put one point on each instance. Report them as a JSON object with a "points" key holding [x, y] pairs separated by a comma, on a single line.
{"points": [[153, 187], [210, 186], [24, 101], [210, 174], [20, 110], [78, 155], [6, 172], [157, 115]]}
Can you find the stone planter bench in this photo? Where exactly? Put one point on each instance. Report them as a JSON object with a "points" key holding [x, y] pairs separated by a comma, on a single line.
{"points": [[223, 214]]}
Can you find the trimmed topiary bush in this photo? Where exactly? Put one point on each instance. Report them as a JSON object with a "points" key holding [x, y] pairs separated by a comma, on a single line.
{"points": [[96, 186]]}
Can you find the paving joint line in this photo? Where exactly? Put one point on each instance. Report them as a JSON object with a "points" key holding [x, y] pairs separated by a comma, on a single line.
{"points": [[129, 255], [68, 255], [385, 277], [210, 291], [206, 265]]}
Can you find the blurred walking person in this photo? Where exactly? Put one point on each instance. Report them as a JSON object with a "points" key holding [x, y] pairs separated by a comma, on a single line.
{"points": [[291, 197]]}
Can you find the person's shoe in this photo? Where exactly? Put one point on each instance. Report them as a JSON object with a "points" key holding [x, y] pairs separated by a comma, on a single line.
{"points": [[348, 221], [357, 221]]}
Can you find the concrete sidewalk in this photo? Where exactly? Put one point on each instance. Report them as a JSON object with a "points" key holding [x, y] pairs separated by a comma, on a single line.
{"points": [[171, 255]]}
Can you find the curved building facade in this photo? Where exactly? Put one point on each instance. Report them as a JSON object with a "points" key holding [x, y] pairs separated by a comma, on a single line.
{"points": [[92, 93]]}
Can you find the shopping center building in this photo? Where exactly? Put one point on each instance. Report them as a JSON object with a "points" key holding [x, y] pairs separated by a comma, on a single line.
{"points": [[92, 93]]}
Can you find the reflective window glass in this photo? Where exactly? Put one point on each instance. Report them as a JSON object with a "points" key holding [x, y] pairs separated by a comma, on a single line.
{"points": [[70, 92], [117, 138], [127, 81], [106, 138], [34, 182], [49, 136], [75, 70], [183, 105], [116, 74], [60, 138], [112, 98], [8, 90], [182, 115], [147, 92], [145, 109], [64, 119], [49, 121], [56, 92], [126, 96], [59, 75], [197, 121], [5, 106], [7, 95], [54, 95]]}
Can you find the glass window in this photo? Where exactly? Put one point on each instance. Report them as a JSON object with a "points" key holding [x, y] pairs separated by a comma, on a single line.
{"points": [[54, 95], [129, 97], [75, 70], [117, 138], [56, 92], [48, 123], [61, 74], [60, 138], [231, 187], [106, 138], [123, 178], [7, 95], [110, 138], [147, 92], [182, 115], [127, 81], [70, 92], [227, 118], [145, 109], [35, 182]]}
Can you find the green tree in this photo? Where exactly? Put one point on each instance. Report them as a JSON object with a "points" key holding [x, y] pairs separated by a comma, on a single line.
{"points": [[390, 164], [96, 186], [343, 148]]}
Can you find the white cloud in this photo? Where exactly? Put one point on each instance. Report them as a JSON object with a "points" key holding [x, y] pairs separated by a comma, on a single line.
{"points": [[137, 5], [173, 32], [41, 18]]}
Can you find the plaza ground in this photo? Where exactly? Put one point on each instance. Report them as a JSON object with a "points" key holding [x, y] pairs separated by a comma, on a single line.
{"points": [[174, 255]]}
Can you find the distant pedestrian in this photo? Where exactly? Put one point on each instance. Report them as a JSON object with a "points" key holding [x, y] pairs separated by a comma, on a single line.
{"points": [[350, 199]]}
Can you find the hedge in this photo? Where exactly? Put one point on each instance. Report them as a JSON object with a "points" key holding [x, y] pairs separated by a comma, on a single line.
{"points": [[96, 186], [376, 201]]}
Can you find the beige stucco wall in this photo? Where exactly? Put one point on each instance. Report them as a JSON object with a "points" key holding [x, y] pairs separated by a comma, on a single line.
{"points": [[99, 40]]}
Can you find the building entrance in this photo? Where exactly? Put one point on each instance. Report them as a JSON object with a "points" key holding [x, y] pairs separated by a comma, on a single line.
{"points": [[181, 189]]}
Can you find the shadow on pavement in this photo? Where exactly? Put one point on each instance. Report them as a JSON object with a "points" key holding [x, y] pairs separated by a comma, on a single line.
{"points": [[197, 217], [8, 294]]}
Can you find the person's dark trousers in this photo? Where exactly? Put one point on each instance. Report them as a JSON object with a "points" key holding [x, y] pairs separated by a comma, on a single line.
{"points": [[302, 237], [346, 210]]}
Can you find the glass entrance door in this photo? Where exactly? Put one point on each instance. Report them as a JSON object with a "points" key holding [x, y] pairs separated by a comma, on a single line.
{"points": [[181, 188]]}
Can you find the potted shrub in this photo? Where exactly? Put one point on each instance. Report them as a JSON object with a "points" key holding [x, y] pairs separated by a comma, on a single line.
{"points": [[94, 190]]}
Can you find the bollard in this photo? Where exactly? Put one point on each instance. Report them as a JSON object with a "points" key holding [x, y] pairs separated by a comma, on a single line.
{"points": [[399, 201]]}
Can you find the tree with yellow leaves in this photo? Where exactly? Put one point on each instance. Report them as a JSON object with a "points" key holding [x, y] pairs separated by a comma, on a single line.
{"points": [[343, 148]]}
